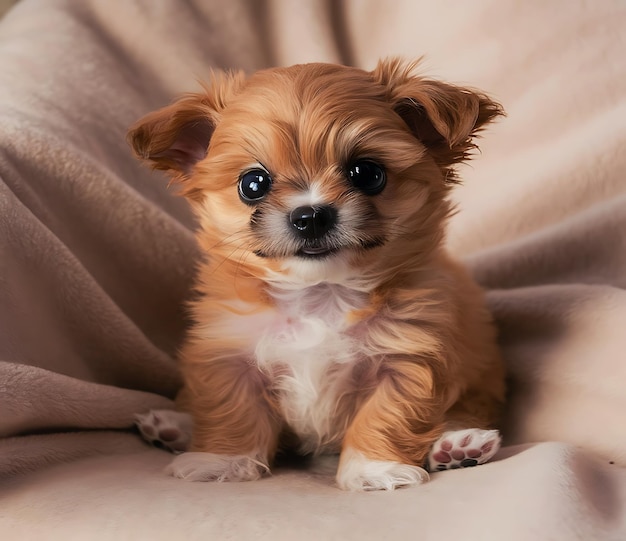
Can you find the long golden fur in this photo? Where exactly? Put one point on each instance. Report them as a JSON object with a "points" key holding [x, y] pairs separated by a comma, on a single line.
{"points": [[421, 346]]}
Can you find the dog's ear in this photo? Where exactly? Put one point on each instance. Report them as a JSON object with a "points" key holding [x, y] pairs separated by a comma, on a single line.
{"points": [[445, 118], [177, 136]]}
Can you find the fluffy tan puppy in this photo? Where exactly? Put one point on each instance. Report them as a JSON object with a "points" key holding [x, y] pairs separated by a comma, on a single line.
{"points": [[329, 317]]}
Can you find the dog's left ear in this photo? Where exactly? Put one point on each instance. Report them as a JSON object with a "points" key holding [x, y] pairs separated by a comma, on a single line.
{"points": [[445, 118]]}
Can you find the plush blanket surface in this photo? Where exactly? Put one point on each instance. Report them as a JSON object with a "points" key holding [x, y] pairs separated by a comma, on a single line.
{"points": [[96, 257]]}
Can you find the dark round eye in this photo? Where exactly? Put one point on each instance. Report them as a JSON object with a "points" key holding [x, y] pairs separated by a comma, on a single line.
{"points": [[254, 185], [367, 176]]}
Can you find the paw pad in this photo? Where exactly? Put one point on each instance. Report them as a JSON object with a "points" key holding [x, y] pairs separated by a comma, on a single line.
{"points": [[463, 449], [165, 429]]}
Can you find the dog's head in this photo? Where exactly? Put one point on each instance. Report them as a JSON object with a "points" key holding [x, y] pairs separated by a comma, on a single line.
{"points": [[317, 172]]}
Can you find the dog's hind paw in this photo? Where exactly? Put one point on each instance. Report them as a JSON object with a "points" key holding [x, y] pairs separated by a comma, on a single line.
{"points": [[167, 429], [213, 467], [463, 449]]}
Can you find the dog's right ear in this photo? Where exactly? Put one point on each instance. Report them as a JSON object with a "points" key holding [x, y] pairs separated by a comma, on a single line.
{"points": [[177, 136]]}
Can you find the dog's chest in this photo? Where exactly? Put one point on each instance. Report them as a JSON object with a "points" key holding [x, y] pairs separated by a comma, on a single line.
{"points": [[310, 354]]}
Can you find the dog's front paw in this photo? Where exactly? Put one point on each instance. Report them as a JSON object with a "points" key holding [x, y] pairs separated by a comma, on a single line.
{"points": [[463, 449], [166, 428], [357, 472], [213, 467]]}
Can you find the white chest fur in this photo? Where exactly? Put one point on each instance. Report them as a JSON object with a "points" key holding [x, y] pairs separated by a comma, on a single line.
{"points": [[310, 356]]}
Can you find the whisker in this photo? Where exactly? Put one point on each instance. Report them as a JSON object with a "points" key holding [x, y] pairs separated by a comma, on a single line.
{"points": [[223, 242], [242, 260], [227, 258]]}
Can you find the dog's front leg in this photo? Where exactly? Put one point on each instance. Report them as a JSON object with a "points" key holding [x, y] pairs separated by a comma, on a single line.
{"points": [[391, 434], [236, 427]]}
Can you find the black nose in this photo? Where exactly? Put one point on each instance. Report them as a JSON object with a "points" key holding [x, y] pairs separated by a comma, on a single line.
{"points": [[313, 222]]}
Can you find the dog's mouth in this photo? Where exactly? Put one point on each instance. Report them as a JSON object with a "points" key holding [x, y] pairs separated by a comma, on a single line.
{"points": [[316, 252], [305, 252], [322, 251]]}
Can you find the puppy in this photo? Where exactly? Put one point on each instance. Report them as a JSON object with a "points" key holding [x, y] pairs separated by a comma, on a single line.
{"points": [[329, 317]]}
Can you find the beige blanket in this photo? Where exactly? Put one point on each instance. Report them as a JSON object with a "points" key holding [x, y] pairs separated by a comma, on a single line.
{"points": [[96, 257]]}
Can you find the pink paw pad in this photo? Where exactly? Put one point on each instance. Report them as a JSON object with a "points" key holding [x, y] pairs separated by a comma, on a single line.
{"points": [[167, 429], [463, 449]]}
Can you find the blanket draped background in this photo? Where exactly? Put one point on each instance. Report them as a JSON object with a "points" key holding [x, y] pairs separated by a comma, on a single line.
{"points": [[97, 256]]}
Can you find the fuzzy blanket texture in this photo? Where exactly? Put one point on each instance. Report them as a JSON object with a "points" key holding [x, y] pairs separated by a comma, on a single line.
{"points": [[97, 255]]}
